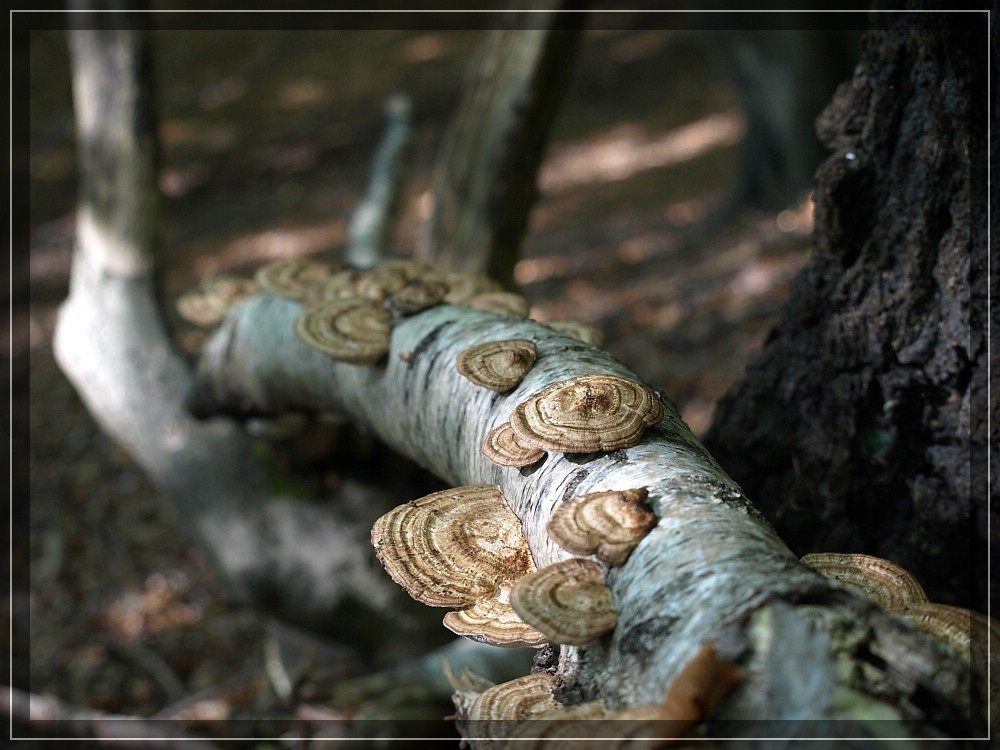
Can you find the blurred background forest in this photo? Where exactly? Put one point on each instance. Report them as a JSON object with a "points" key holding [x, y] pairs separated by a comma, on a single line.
{"points": [[266, 144]]}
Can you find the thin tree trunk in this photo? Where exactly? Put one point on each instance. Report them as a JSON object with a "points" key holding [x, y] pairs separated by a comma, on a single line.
{"points": [[484, 180], [305, 562], [712, 570]]}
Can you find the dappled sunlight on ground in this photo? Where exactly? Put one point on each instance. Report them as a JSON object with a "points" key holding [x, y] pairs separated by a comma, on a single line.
{"points": [[268, 246], [619, 154]]}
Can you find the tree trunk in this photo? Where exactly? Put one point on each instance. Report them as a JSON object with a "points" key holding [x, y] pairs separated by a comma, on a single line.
{"points": [[861, 426], [712, 569], [307, 563], [484, 180]]}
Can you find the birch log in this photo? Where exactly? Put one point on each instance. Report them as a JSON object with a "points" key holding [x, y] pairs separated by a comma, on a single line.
{"points": [[711, 570]]}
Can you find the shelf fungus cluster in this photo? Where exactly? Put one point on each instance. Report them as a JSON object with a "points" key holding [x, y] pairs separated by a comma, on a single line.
{"points": [[207, 304], [348, 313], [460, 548], [464, 548]]}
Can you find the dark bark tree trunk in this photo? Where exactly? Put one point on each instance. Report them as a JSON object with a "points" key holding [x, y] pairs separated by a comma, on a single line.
{"points": [[861, 426]]}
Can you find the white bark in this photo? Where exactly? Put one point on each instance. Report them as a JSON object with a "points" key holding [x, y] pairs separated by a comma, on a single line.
{"points": [[711, 570], [300, 561]]}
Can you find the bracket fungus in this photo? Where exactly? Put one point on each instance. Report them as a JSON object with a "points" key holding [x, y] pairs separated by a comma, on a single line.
{"points": [[606, 524], [355, 331], [965, 631], [505, 303], [497, 365], [416, 295], [292, 278], [568, 601], [504, 449], [885, 583], [523, 698], [464, 284], [495, 622], [577, 329], [587, 414], [207, 304], [454, 547]]}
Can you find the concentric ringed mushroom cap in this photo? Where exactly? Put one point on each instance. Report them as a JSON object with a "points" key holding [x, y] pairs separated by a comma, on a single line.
{"points": [[454, 547], [516, 700], [497, 365], [885, 583], [586, 414], [504, 449], [505, 303], [353, 330], [207, 304], [417, 295], [464, 284], [495, 622], [577, 329], [291, 278], [965, 631], [568, 601], [606, 524]]}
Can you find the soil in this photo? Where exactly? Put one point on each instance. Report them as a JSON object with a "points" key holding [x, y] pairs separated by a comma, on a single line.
{"points": [[266, 140]]}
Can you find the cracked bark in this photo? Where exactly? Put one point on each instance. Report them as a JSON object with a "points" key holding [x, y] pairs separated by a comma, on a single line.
{"points": [[861, 426]]}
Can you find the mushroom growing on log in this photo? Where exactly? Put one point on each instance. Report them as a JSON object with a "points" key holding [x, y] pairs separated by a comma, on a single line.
{"points": [[292, 278], [497, 365], [711, 569], [608, 525], [586, 414], [503, 448], [568, 601], [460, 548], [351, 330], [207, 304]]}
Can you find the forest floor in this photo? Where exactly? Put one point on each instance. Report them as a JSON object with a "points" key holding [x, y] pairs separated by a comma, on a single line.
{"points": [[267, 139]]}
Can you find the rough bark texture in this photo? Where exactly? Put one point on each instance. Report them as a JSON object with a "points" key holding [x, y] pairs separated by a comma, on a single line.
{"points": [[861, 426], [711, 570], [484, 180]]}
